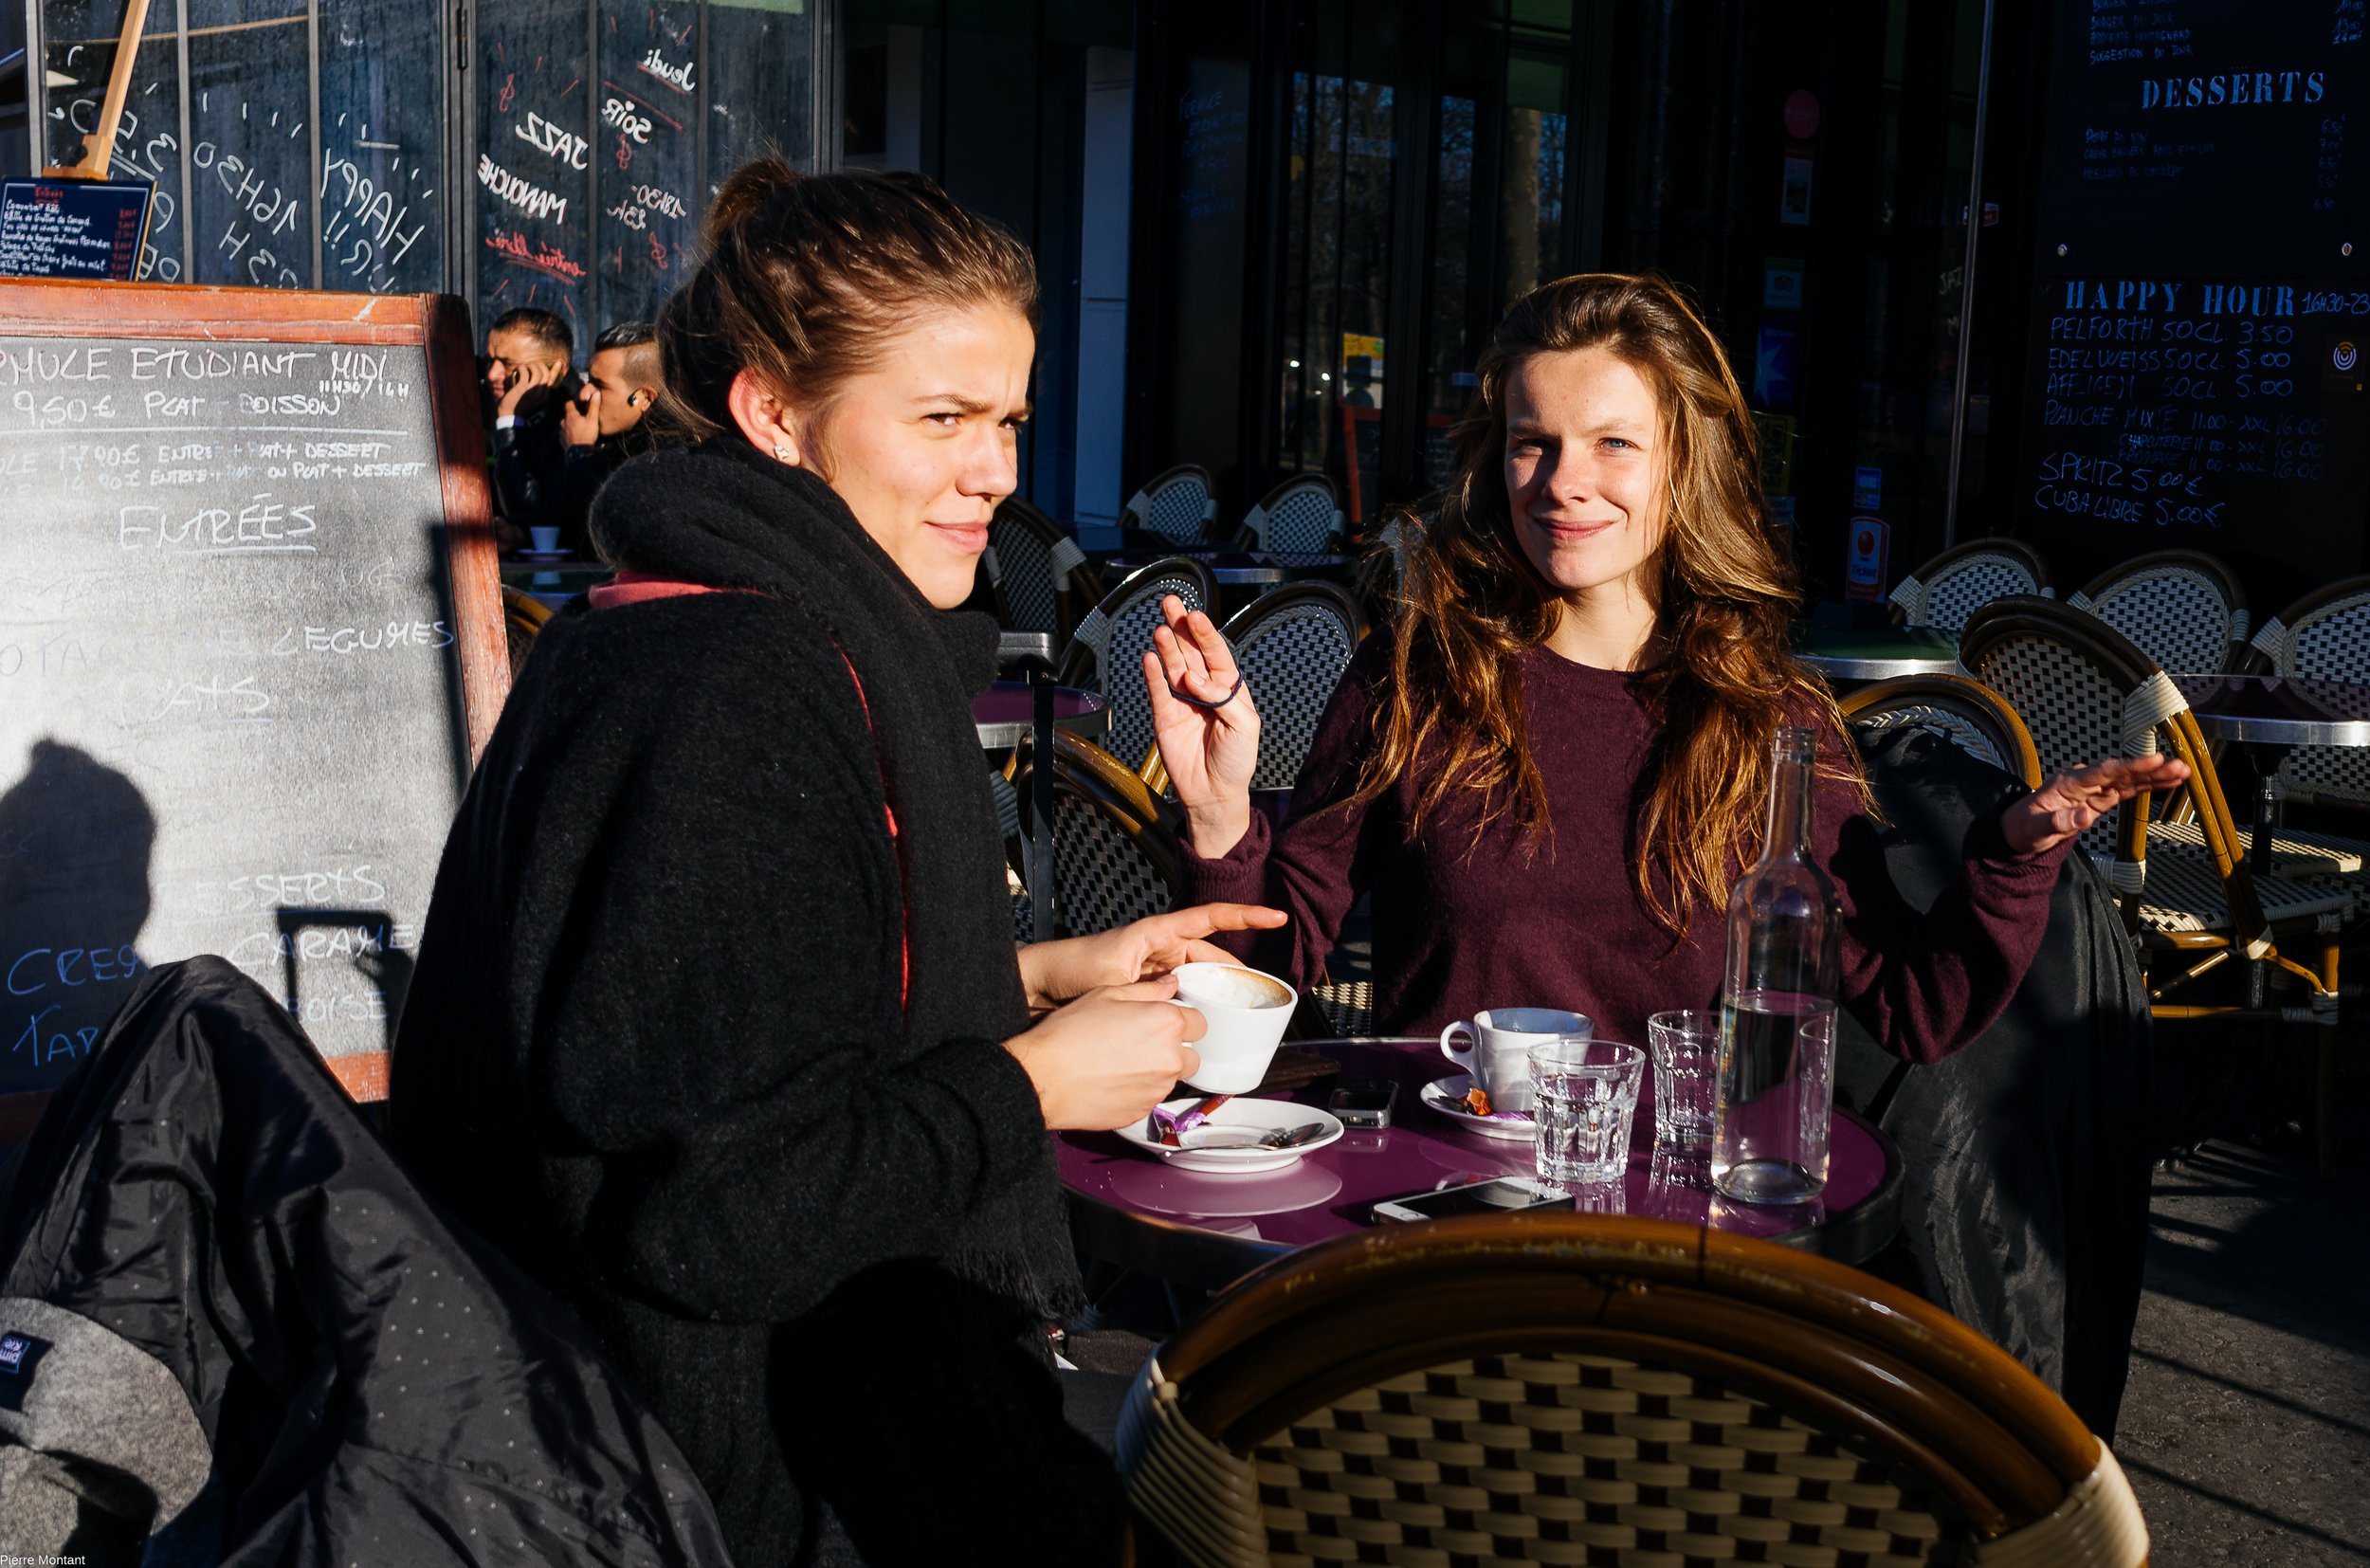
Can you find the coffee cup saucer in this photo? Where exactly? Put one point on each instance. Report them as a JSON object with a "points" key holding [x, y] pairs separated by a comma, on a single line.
{"points": [[1239, 1119], [1446, 1096]]}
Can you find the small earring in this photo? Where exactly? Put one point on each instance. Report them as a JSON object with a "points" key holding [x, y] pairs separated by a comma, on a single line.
{"points": [[781, 451]]}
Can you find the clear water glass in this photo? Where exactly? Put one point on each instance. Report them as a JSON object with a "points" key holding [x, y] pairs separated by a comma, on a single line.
{"points": [[1686, 1047], [1583, 1098]]}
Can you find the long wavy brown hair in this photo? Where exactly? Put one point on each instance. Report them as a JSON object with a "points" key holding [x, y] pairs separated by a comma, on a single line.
{"points": [[1719, 681]]}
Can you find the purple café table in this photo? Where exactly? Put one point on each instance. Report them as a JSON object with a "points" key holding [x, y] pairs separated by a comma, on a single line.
{"points": [[1003, 713], [1207, 1231]]}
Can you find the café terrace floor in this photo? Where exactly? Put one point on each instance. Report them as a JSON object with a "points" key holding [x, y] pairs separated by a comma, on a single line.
{"points": [[2246, 1428]]}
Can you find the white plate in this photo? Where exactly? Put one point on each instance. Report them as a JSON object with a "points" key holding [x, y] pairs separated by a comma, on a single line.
{"points": [[1446, 1096], [1255, 1118]]}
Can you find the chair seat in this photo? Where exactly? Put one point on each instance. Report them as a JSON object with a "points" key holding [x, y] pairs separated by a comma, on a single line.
{"points": [[2296, 852], [2184, 893]]}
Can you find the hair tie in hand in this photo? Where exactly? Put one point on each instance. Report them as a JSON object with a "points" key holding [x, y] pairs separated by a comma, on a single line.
{"points": [[1192, 701]]}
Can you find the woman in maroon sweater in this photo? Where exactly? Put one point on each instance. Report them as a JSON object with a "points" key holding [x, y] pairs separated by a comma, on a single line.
{"points": [[1550, 769]]}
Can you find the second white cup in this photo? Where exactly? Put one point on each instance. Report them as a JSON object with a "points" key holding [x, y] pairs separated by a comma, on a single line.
{"points": [[1497, 1052]]}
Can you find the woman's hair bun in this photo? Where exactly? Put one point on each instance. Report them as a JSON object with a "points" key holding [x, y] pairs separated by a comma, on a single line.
{"points": [[744, 194], [806, 279]]}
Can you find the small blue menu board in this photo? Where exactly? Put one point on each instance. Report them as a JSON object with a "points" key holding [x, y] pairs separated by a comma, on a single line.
{"points": [[73, 229]]}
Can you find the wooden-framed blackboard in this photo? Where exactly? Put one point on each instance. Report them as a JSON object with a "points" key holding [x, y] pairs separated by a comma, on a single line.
{"points": [[2202, 301], [250, 643]]}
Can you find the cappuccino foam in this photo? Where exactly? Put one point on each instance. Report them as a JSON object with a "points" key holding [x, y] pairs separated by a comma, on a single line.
{"points": [[1243, 988]]}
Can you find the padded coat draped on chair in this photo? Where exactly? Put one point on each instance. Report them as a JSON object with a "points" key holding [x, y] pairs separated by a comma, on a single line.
{"points": [[208, 1266], [2026, 1155]]}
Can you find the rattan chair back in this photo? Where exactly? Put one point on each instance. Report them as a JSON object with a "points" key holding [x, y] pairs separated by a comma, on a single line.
{"points": [[1969, 715], [1032, 563], [1559, 1388], [1179, 504], [523, 615], [1955, 584], [2182, 608], [2322, 636], [1302, 514], [2085, 692], [1107, 653], [1115, 845]]}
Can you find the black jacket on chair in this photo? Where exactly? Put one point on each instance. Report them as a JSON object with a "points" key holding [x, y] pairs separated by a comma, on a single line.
{"points": [[706, 1031], [210, 1267], [2026, 1156]]}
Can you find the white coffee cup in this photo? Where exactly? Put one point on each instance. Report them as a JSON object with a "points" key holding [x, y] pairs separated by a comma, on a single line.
{"points": [[1496, 1056], [1246, 1012], [546, 540]]}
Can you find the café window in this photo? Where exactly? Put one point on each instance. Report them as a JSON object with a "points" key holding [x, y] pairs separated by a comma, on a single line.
{"points": [[548, 153]]}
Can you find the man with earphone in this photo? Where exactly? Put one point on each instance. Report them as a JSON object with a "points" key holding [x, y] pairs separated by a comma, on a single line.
{"points": [[603, 424]]}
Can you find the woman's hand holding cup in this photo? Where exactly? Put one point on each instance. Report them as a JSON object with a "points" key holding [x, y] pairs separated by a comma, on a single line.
{"points": [[1055, 972], [1210, 743], [1107, 1058]]}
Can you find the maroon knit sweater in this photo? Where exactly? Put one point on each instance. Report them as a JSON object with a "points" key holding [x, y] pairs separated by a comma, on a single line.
{"points": [[1460, 925]]}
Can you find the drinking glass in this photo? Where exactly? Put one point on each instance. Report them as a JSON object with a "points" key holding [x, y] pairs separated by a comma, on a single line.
{"points": [[1686, 1045], [1583, 1097]]}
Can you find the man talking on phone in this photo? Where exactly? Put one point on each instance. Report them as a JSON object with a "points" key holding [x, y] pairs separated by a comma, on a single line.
{"points": [[605, 422], [530, 374]]}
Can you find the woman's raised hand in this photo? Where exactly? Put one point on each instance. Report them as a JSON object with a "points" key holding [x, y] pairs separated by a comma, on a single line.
{"points": [[1210, 743], [2073, 801]]}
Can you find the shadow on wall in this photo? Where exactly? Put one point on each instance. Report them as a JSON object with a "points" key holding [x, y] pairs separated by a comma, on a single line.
{"points": [[75, 842]]}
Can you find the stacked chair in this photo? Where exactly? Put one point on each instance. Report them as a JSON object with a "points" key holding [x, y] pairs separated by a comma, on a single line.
{"points": [[1107, 652], [1173, 508], [1291, 646], [2182, 609], [2086, 691], [2322, 636], [1941, 594], [1035, 569], [1559, 1388], [1300, 516], [1114, 842], [1970, 716]]}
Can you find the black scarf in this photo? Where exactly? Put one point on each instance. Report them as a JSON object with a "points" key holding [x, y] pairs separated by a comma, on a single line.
{"points": [[724, 515]]}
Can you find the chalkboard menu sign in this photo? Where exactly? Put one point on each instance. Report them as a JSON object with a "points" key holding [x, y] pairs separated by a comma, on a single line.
{"points": [[2202, 298], [72, 228], [249, 639]]}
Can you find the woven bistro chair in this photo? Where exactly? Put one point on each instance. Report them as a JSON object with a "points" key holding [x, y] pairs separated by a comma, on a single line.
{"points": [[523, 615], [1107, 652], [1178, 506], [1955, 584], [1300, 516], [2182, 608], [1969, 715], [1115, 844], [1036, 571], [2086, 692], [2322, 636], [1556, 1388], [1291, 646]]}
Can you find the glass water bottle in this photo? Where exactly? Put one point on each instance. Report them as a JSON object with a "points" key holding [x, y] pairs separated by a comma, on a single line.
{"points": [[1778, 1004]]}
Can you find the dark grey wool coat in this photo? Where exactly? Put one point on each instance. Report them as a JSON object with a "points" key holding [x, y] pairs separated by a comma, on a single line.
{"points": [[715, 1056]]}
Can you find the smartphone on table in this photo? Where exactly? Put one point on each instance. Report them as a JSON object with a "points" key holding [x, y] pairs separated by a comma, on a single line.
{"points": [[1358, 1100], [1500, 1196]]}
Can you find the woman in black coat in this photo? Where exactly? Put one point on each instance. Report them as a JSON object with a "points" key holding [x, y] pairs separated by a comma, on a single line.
{"points": [[718, 1025]]}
